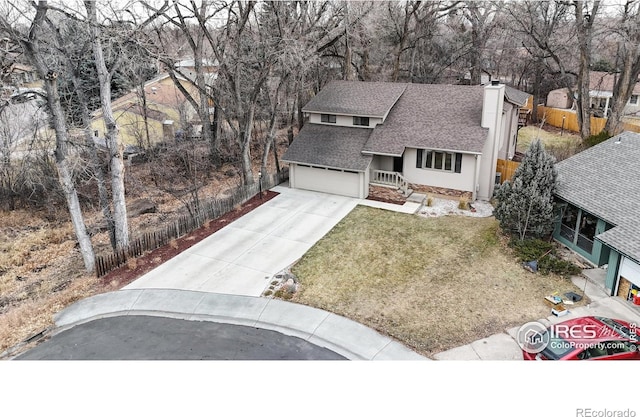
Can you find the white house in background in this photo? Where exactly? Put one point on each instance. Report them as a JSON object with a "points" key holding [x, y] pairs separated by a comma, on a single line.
{"points": [[187, 68], [600, 93], [405, 135]]}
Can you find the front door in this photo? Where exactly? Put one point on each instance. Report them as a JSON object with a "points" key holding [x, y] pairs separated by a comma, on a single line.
{"points": [[397, 164]]}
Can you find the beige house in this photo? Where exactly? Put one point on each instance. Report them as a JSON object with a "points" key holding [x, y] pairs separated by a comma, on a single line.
{"points": [[405, 135], [166, 112]]}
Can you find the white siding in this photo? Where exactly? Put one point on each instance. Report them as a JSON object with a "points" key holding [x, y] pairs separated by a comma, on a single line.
{"points": [[462, 181], [630, 270], [491, 118], [509, 132]]}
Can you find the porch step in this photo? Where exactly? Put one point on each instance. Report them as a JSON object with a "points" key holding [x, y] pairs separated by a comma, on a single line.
{"points": [[416, 197]]}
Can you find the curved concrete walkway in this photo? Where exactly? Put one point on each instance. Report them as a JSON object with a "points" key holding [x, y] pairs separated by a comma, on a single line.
{"points": [[343, 336]]}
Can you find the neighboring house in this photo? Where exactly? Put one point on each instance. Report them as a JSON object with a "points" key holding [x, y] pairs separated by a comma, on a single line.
{"points": [[18, 75], [600, 92], [404, 135], [166, 108], [598, 193], [187, 68]]}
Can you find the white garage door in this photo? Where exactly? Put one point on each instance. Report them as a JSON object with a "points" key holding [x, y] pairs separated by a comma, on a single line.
{"points": [[630, 270], [328, 181]]}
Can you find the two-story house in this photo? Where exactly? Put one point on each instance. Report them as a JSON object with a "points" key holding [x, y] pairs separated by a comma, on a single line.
{"points": [[405, 135]]}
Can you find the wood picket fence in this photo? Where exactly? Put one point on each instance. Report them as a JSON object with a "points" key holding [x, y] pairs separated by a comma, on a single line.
{"points": [[568, 120], [506, 169], [202, 211]]}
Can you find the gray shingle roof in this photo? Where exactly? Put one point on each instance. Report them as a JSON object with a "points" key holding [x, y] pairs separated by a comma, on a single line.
{"points": [[605, 181], [357, 98], [330, 146], [434, 116], [517, 97]]}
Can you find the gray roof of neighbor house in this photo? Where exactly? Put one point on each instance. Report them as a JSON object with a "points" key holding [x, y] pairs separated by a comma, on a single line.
{"points": [[604, 81], [330, 146], [434, 116], [356, 98], [517, 97], [604, 180]]}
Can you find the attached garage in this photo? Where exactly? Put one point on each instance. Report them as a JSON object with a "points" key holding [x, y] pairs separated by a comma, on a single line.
{"points": [[628, 279], [328, 159], [329, 180]]}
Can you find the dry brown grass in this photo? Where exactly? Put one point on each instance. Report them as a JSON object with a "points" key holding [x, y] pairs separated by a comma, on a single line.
{"points": [[432, 283], [40, 273], [561, 146], [35, 314]]}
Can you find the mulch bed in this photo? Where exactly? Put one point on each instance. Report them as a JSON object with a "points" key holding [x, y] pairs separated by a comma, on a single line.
{"points": [[137, 267]]}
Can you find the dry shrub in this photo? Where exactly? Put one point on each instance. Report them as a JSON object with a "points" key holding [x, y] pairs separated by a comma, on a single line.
{"points": [[58, 235], [174, 244], [463, 203], [206, 224], [429, 200], [132, 263], [237, 207]]}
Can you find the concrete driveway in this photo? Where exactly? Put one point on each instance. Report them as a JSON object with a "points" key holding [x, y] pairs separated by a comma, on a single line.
{"points": [[242, 257]]}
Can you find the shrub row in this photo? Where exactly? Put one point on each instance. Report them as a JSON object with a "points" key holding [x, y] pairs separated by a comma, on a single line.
{"points": [[545, 253]]}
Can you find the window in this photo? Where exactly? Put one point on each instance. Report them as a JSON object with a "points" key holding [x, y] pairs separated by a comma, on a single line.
{"points": [[634, 99], [444, 161], [328, 118], [568, 224], [360, 121]]}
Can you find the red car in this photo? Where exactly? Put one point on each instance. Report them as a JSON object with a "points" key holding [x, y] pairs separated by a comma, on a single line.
{"points": [[592, 338]]}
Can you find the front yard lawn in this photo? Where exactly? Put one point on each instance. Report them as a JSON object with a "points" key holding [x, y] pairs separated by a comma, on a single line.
{"points": [[431, 283]]}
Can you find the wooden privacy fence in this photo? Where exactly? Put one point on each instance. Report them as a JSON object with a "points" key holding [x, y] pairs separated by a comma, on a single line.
{"points": [[202, 211], [568, 119], [506, 169]]}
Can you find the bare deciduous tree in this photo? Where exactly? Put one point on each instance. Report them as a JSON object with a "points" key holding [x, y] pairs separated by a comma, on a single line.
{"points": [[627, 30], [31, 44]]}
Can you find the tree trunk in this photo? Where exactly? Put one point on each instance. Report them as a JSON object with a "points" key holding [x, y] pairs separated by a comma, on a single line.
{"points": [[623, 88], [215, 141], [94, 159], [247, 173], [96, 167], [537, 81], [203, 108], [145, 116], [64, 172], [271, 134], [584, 29], [115, 149], [65, 177]]}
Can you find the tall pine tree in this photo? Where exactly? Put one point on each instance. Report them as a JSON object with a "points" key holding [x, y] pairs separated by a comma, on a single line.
{"points": [[525, 204]]}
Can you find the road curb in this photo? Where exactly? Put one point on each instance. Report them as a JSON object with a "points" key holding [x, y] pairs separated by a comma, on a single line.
{"points": [[341, 335]]}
